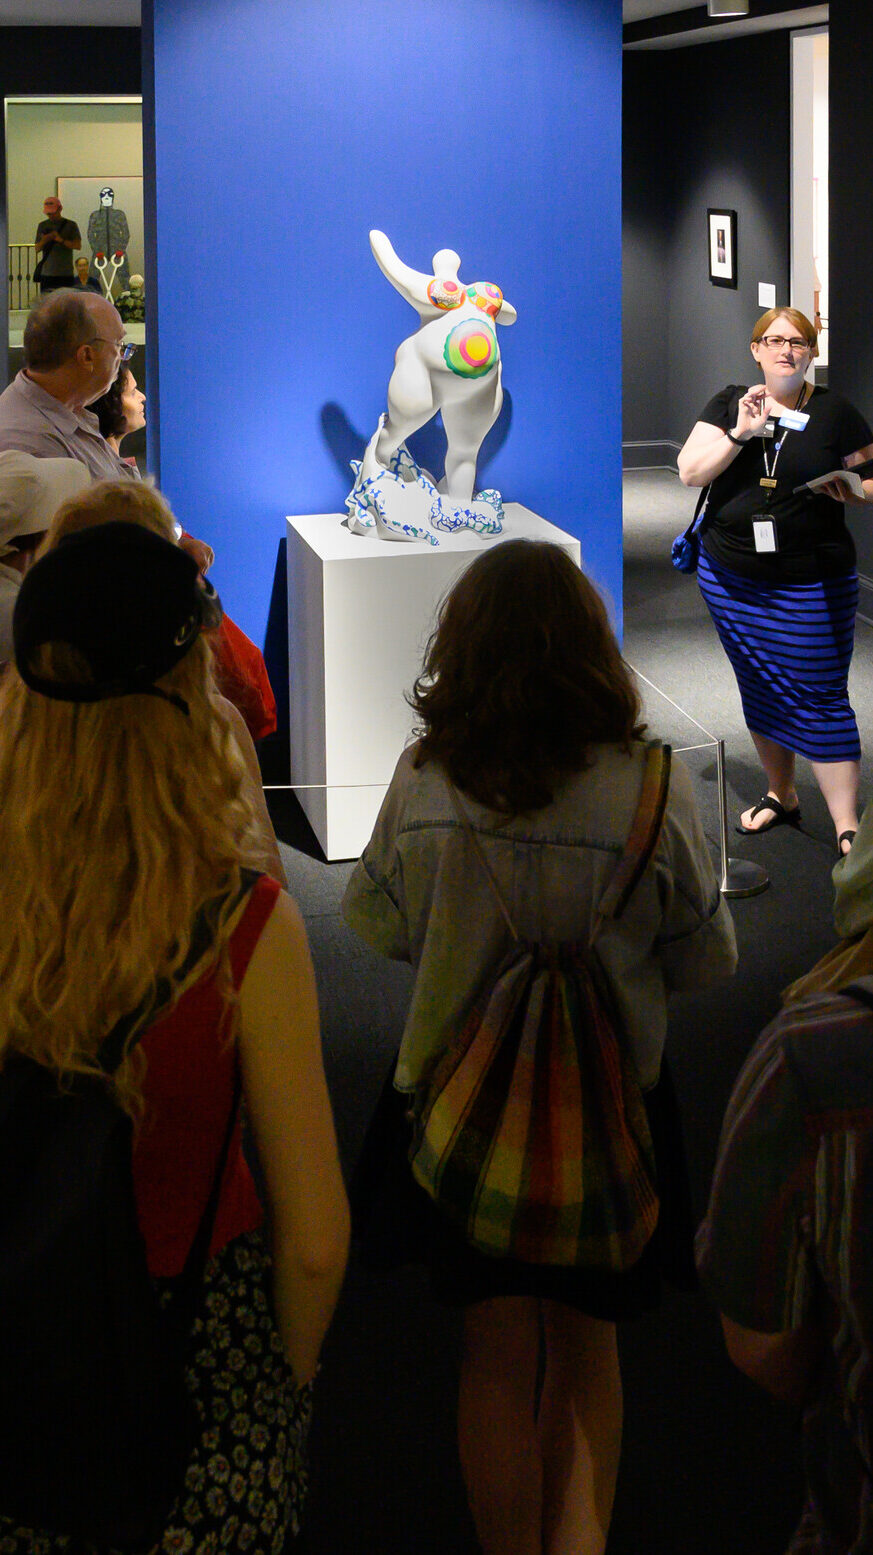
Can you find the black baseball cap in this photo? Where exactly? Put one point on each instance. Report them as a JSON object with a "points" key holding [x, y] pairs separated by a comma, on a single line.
{"points": [[129, 601]]}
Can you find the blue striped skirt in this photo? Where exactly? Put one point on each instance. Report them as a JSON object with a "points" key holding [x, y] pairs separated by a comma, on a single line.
{"points": [[790, 646]]}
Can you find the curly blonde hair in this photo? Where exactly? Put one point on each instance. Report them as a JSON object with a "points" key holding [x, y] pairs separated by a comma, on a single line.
{"points": [[120, 820]]}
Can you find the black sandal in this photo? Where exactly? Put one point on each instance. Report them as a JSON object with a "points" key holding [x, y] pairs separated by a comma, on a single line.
{"points": [[845, 836], [781, 817]]}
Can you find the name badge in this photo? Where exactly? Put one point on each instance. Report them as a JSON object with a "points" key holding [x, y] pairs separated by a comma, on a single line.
{"points": [[793, 420], [764, 531]]}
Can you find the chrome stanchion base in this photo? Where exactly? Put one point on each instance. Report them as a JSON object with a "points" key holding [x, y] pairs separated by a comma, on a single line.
{"points": [[739, 876], [743, 878]]}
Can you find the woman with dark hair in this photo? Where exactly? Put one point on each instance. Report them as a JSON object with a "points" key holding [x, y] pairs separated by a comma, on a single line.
{"points": [[777, 565], [527, 710], [121, 409]]}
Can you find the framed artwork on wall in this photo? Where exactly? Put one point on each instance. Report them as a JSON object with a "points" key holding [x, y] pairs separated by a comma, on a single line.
{"points": [[722, 247]]}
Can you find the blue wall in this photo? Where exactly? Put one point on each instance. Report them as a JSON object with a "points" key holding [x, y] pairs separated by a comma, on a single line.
{"points": [[280, 132]]}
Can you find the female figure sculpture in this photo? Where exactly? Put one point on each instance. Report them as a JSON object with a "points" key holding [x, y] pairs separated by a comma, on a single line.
{"points": [[451, 364]]}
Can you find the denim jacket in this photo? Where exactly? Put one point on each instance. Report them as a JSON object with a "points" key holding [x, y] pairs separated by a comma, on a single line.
{"points": [[419, 894]]}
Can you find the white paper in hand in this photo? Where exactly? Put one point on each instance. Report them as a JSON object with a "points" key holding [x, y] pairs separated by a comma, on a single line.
{"points": [[848, 477]]}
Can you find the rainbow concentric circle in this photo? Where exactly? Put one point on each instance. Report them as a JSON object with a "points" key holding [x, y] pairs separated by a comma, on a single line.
{"points": [[446, 294], [486, 296], [471, 349]]}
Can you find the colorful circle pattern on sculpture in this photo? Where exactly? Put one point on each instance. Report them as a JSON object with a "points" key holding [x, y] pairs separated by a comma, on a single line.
{"points": [[486, 296], [471, 349], [446, 294]]}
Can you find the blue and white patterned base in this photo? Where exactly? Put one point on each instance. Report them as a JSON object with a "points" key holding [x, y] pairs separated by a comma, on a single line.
{"points": [[403, 503]]}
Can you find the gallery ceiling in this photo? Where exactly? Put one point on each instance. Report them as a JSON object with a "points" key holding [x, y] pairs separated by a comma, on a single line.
{"points": [[671, 24], [126, 13]]}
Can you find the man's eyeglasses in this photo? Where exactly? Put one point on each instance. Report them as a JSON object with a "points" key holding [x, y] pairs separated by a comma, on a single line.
{"points": [[125, 348], [776, 342]]}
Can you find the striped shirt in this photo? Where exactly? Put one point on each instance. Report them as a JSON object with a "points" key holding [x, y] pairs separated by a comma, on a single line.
{"points": [[788, 1238]]}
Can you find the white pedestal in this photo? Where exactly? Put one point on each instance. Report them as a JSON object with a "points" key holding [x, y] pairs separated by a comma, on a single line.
{"points": [[360, 611]]}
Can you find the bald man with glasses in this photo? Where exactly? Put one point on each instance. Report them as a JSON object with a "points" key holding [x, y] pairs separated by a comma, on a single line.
{"points": [[73, 347]]}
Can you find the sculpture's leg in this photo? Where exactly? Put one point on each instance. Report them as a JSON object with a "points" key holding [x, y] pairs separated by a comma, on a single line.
{"points": [[410, 401], [466, 421]]}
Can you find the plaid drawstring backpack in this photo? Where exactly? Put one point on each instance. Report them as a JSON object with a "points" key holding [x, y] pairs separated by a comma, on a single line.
{"points": [[531, 1132]]}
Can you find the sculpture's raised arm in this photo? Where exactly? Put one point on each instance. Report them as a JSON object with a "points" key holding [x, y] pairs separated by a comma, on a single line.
{"points": [[411, 284]]}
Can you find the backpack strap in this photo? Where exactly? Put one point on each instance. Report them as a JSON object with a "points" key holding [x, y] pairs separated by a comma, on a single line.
{"points": [[644, 833], [641, 843], [186, 1284], [188, 1281]]}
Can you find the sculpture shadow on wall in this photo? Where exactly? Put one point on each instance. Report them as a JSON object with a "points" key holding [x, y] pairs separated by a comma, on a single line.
{"points": [[427, 445]]}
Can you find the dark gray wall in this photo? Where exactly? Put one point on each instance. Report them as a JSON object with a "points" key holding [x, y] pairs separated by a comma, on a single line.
{"points": [[850, 306], [707, 125], [60, 62], [645, 240]]}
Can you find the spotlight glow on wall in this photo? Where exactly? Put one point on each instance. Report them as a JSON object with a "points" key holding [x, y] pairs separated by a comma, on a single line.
{"points": [[727, 7]]}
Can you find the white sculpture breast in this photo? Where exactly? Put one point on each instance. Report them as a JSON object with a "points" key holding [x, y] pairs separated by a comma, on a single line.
{"points": [[451, 364]]}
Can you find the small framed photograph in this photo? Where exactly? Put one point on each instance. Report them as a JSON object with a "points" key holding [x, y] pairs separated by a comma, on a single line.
{"points": [[722, 247]]}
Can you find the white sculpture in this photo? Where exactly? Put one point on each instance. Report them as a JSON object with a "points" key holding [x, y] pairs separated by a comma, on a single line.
{"points": [[452, 365]]}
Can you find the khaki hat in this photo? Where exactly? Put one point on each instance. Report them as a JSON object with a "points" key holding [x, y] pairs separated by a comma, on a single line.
{"points": [[32, 490]]}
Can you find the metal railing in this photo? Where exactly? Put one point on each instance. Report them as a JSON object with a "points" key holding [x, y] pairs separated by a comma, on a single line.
{"points": [[23, 291]]}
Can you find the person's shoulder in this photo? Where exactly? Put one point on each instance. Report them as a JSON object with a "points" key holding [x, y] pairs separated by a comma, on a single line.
{"points": [[730, 391], [601, 796], [717, 408], [831, 402], [15, 403], [12, 391], [415, 782], [826, 1039], [833, 411]]}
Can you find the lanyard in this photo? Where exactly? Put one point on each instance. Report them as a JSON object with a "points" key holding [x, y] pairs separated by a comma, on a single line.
{"points": [[768, 479]]}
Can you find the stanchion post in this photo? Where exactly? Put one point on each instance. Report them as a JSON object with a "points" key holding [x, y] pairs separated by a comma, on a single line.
{"points": [[739, 876]]}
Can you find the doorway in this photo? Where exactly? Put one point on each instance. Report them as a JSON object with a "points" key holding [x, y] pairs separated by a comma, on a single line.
{"points": [[809, 182]]}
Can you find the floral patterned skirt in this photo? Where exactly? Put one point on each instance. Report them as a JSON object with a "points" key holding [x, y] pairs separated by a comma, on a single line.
{"points": [[246, 1479]]}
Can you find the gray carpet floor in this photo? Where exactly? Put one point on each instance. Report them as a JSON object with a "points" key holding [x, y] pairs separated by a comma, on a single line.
{"points": [[709, 1464]]}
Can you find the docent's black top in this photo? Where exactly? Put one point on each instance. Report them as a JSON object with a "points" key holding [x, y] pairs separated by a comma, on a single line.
{"points": [[811, 535]]}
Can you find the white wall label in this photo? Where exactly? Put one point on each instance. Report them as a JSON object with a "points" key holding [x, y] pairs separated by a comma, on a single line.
{"points": [[766, 295]]}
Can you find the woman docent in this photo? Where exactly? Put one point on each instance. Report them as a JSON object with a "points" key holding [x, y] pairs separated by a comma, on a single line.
{"points": [[777, 566]]}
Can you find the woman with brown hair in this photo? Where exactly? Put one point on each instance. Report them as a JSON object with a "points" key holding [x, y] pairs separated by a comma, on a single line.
{"points": [[526, 708], [777, 565], [121, 410], [132, 858]]}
